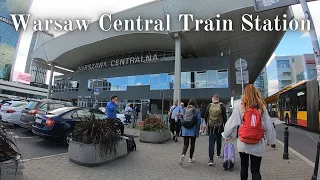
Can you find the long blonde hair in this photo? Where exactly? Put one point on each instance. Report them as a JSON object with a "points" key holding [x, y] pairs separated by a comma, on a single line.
{"points": [[252, 98]]}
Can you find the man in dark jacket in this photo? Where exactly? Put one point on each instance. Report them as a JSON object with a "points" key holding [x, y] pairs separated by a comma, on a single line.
{"points": [[215, 118]]}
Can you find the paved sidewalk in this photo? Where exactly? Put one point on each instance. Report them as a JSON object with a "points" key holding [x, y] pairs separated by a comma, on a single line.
{"points": [[160, 161]]}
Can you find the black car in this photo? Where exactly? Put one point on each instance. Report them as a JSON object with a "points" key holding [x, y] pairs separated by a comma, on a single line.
{"points": [[60, 123], [35, 107]]}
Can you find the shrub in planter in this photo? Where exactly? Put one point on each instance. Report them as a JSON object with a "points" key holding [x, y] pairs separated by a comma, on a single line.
{"points": [[152, 123], [154, 131], [9, 157], [96, 141]]}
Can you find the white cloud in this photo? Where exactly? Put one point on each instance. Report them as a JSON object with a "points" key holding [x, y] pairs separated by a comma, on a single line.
{"points": [[271, 58], [315, 13], [272, 87], [67, 9]]}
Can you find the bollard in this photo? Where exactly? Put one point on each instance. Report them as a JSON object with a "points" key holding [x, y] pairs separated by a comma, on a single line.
{"points": [[286, 144], [316, 167], [273, 145]]}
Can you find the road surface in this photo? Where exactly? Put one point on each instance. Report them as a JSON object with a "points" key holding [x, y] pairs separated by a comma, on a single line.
{"points": [[300, 139]]}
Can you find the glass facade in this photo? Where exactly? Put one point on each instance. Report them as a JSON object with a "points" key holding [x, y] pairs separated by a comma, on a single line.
{"points": [[283, 64], [8, 35], [189, 80], [69, 86]]}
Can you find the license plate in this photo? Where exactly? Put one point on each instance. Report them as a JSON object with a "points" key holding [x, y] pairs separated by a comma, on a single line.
{"points": [[38, 121]]}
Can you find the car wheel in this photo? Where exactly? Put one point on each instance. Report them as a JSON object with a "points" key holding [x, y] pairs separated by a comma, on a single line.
{"points": [[67, 138]]}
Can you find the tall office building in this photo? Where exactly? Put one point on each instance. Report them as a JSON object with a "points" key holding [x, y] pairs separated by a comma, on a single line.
{"points": [[303, 68], [261, 83], [38, 75], [38, 39], [286, 70], [279, 73], [8, 35]]}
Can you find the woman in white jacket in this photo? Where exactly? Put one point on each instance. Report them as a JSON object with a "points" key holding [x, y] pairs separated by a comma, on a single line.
{"points": [[250, 99]]}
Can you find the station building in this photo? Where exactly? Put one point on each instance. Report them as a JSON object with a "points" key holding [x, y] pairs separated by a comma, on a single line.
{"points": [[143, 67]]}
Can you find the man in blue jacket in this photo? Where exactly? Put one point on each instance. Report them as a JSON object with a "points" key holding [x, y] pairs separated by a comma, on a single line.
{"points": [[111, 108]]}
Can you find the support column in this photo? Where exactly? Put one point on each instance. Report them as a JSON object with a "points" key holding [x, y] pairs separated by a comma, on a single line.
{"points": [[177, 67], [313, 36], [50, 81]]}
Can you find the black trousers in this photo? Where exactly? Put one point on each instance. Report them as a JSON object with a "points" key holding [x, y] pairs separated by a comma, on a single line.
{"points": [[175, 127], [255, 162]]}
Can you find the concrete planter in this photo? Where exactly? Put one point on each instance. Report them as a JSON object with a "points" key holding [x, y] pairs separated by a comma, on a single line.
{"points": [[155, 136], [12, 169], [91, 155]]}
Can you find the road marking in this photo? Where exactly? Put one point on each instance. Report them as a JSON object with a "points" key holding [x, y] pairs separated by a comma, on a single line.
{"points": [[298, 154], [43, 157]]}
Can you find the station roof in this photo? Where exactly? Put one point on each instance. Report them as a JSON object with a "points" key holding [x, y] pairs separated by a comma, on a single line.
{"points": [[77, 48]]}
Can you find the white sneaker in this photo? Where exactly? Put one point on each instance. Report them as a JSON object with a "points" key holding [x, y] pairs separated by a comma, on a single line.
{"points": [[210, 163], [191, 160], [181, 160]]}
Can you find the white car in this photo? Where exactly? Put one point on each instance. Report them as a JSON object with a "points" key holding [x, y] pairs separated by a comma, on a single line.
{"points": [[12, 110], [120, 115]]}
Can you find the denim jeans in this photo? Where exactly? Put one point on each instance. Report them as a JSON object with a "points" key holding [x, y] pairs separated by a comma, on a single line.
{"points": [[212, 140]]}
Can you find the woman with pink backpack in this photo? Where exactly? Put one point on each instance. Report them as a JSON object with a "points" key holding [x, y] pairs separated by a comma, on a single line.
{"points": [[252, 117]]}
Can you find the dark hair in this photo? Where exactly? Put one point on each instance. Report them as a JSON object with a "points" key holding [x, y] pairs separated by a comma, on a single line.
{"points": [[216, 96], [113, 97], [193, 102]]}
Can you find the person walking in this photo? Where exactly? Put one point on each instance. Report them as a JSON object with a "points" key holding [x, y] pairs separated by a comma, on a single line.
{"points": [[111, 108], [190, 129], [175, 124], [96, 105], [128, 112], [251, 115], [215, 118], [203, 125]]}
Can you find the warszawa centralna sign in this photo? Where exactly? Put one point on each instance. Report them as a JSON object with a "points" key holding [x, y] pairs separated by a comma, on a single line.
{"points": [[119, 62]]}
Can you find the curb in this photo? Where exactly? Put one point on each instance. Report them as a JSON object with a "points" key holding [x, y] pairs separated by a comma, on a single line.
{"points": [[298, 154]]}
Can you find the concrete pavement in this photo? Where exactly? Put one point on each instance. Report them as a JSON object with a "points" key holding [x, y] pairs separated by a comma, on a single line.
{"points": [[160, 161]]}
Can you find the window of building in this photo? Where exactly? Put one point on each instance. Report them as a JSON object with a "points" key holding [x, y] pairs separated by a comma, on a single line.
{"points": [[106, 85], [145, 79], [185, 80], [201, 79], [212, 79], [283, 64], [286, 74], [115, 84], [154, 81], [223, 79], [312, 73], [300, 76], [131, 80], [138, 80]]}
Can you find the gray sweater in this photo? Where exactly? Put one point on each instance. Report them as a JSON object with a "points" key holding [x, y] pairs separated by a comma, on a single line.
{"points": [[235, 120]]}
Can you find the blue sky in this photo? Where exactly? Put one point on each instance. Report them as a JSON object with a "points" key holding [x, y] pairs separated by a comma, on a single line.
{"points": [[294, 43]]}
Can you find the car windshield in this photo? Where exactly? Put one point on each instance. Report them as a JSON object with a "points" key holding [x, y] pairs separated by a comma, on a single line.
{"points": [[59, 111], [31, 105], [98, 114]]}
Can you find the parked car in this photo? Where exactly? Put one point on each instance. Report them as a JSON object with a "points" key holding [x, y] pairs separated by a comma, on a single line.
{"points": [[60, 123], [6, 102], [120, 116], [35, 107], [12, 110]]}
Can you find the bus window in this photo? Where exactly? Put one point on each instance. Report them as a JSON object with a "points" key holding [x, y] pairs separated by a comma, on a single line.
{"points": [[287, 103], [301, 100]]}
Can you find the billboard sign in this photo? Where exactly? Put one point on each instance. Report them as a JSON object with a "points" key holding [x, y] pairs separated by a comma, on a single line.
{"points": [[264, 5], [21, 77]]}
